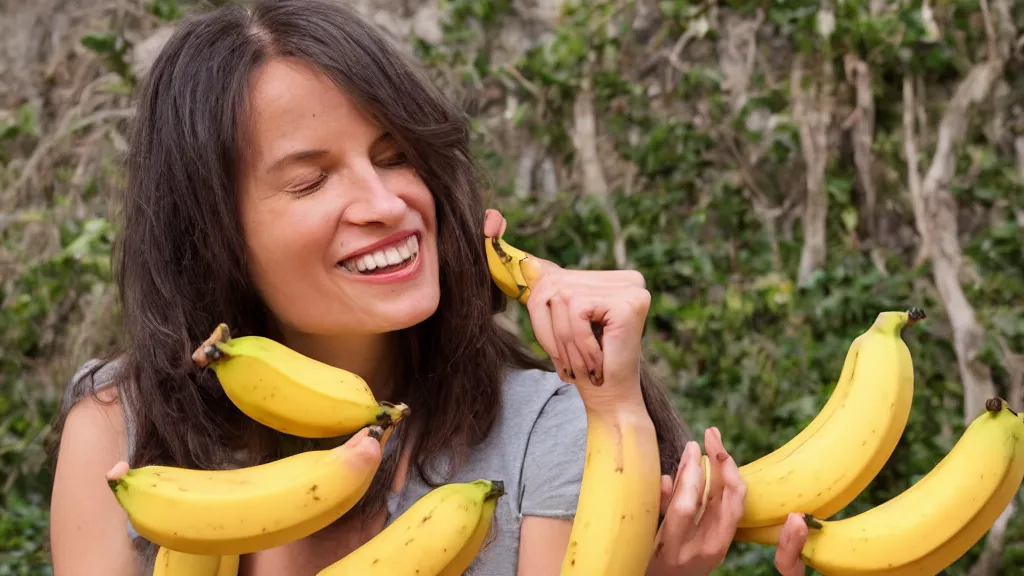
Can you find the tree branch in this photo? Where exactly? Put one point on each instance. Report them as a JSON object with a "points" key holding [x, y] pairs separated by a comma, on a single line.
{"points": [[863, 137], [584, 138], [813, 114]]}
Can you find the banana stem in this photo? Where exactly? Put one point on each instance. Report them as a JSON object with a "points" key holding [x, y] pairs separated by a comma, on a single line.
{"points": [[497, 490]]}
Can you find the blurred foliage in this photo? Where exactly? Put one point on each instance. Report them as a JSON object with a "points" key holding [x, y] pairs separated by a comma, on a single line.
{"points": [[741, 345]]}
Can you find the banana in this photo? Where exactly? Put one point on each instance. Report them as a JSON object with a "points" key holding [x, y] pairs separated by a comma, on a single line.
{"points": [[827, 471], [511, 269], [617, 513], [834, 401], [173, 563], [705, 464], [290, 392], [440, 533], [229, 512], [937, 520]]}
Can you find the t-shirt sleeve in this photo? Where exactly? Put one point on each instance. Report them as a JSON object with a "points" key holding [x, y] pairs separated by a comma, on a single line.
{"points": [[555, 454]]}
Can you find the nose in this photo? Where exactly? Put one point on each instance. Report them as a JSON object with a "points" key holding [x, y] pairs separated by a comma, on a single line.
{"points": [[374, 201]]}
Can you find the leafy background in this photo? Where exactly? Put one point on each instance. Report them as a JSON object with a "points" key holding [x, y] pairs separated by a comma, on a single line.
{"points": [[779, 171]]}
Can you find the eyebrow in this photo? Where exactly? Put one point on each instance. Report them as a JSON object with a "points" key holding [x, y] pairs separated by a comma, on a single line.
{"points": [[296, 157], [315, 152]]}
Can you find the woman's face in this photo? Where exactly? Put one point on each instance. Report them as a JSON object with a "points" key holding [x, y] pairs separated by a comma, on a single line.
{"points": [[341, 230]]}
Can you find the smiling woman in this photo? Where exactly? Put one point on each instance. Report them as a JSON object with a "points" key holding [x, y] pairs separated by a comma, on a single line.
{"points": [[291, 175]]}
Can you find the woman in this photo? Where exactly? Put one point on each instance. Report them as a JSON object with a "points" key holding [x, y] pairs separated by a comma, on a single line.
{"points": [[290, 174]]}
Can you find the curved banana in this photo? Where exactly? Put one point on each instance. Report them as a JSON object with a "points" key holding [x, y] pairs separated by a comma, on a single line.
{"points": [[440, 533], [173, 563], [228, 512], [511, 268], [833, 465], [835, 400], [616, 517], [290, 392], [938, 519]]}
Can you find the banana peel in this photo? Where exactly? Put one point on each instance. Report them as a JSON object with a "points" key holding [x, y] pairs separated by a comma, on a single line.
{"points": [[513, 270], [705, 464], [173, 563]]}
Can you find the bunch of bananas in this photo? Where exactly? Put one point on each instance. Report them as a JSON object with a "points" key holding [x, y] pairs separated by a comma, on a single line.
{"points": [[203, 520], [819, 471]]}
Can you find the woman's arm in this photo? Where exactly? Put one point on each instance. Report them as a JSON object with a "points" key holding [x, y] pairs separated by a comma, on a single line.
{"points": [[88, 528], [542, 544]]}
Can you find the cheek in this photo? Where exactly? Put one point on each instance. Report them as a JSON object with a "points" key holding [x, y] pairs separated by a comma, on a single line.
{"points": [[288, 241]]}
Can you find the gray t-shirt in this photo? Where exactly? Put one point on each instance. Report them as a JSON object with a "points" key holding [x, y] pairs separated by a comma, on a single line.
{"points": [[537, 447]]}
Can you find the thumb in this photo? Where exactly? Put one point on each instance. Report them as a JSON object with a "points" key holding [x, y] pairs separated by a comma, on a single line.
{"points": [[666, 492], [791, 542]]}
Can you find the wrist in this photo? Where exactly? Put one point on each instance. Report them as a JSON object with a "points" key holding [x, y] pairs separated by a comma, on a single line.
{"points": [[614, 396]]}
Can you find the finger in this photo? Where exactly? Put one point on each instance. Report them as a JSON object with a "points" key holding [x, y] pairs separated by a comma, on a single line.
{"points": [[562, 330], [583, 315], [543, 328], [117, 471], [678, 524], [494, 223], [666, 492], [791, 542], [718, 456], [734, 489]]}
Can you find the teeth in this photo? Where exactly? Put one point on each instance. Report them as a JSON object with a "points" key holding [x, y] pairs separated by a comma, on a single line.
{"points": [[385, 257]]}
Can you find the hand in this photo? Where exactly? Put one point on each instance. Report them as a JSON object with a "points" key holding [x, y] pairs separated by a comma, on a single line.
{"points": [[683, 548], [564, 303]]}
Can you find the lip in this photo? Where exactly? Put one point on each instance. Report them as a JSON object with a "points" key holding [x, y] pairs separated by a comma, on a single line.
{"points": [[390, 277], [386, 241]]}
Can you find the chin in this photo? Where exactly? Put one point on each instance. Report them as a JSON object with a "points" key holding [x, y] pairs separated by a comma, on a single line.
{"points": [[417, 309]]}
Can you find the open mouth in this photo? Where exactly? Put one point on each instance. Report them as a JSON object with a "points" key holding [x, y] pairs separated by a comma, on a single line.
{"points": [[384, 260]]}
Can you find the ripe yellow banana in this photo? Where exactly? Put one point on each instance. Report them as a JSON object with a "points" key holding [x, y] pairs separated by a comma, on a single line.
{"points": [[937, 520], [290, 392], [173, 563], [705, 464], [511, 268], [835, 400], [827, 471], [228, 512], [440, 533], [617, 513]]}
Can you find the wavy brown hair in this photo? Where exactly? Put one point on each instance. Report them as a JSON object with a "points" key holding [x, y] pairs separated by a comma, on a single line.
{"points": [[181, 263]]}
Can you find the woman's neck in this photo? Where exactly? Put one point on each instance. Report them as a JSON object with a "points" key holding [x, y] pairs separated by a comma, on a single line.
{"points": [[369, 356]]}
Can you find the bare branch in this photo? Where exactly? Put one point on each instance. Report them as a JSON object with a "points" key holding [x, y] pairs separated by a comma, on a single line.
{"points": [[584, 136], [863, 136], [910, 151], [813, 114]]}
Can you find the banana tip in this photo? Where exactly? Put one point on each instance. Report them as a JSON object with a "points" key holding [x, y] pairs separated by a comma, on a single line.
{"points": [[996, 404], [915, 315], [208, 351], [812, 522], [497, 489], [391, 414]]}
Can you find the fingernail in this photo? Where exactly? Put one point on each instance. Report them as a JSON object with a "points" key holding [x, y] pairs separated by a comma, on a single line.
{"points": [[375, 432], [722, 456]]}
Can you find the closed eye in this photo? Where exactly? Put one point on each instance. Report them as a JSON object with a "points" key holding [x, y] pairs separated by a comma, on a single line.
{"points": [[396, 159], [310, 187]]}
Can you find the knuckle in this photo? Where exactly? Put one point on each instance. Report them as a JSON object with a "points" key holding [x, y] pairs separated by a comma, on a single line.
{"points": [[684, 508], [635, 278]]}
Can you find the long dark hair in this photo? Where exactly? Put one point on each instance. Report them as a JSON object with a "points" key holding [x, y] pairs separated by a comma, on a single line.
{"points": [[181, 261]]}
